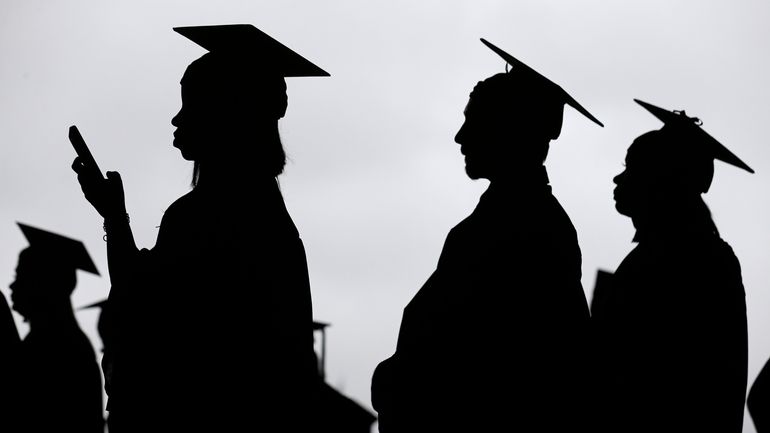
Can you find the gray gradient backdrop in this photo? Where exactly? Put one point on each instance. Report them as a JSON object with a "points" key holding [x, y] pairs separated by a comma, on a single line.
{"points": [[375, 180]]}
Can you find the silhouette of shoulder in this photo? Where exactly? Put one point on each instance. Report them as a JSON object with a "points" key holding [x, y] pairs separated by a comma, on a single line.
{"points": [[758, 401]]}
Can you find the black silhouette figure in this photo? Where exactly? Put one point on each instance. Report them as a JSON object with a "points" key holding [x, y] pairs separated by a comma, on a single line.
{"points": [[494, 340], [758, 402], [213, 326], [672, 322], [105, 328], [9, 365], [56, 374], [9, 335], [335, 412], [103, 323]]}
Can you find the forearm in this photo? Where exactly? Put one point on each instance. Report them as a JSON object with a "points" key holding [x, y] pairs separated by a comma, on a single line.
{"points": [[121, 247]]}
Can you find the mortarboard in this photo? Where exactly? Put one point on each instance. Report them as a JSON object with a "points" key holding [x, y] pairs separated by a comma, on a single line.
{"points": [[319, 326], [690, 127], [67, 251], [248, 42], [521, 68]]}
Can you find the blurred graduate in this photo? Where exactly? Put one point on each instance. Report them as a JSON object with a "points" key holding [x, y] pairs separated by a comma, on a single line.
{"points": [[54, 371]]}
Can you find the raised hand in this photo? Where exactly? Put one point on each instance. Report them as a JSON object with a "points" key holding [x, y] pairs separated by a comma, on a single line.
{"points": [[105, 195]]}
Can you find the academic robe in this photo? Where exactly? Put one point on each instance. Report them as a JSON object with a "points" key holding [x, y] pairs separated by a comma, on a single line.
{"points": [[214, 330], [758, 401], [672, 338], [60, 382], [495, 339], [10, 344]]}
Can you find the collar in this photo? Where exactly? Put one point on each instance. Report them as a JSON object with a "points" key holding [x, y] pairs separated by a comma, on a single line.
{"points": [[528, 182]]}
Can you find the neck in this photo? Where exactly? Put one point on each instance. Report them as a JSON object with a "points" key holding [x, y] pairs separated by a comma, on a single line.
{"points": [[212, 175], [240, 157], [677, 219], [54, 316], [521, 177]]}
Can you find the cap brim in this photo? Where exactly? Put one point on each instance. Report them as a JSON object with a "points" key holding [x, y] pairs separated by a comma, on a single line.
{"points": [[717, 150], [245, 40], [515, 63], [70, 250]]}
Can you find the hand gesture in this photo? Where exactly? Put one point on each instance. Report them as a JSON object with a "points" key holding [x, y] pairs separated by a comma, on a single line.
{"points": [[105, 195]]}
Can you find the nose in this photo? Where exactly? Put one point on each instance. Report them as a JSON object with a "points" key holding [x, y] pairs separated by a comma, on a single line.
{"points": [[175, 120], [619, 178], [460, 136]]}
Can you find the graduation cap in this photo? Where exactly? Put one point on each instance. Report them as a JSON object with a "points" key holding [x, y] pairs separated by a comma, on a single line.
{"points": [[690, 130], [66, 251], [528, 74], [244, 41]]}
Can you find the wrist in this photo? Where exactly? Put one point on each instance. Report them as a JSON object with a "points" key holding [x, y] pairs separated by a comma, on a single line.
{"points": [[115, 220]]}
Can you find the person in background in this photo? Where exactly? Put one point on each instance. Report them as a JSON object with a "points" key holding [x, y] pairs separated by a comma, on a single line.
{"points": [[758, 401], [105, 329], [9, 384], [671, 329], [58, 380]]}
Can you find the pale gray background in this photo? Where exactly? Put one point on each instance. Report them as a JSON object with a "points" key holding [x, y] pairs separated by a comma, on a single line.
{"points": [[375, 180]]}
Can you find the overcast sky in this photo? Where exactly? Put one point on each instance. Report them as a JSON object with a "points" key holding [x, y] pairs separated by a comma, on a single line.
{"points": [[375, 180]]}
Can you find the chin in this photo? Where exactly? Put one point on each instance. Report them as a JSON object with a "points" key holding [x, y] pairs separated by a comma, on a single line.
{"points": [[185, 153], [473, 172], [21, 311], [622, 209]]}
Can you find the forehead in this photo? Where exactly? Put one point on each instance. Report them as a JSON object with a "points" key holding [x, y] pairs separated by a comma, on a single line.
{"points": [[661, 146], [661, 152], [511, 92], [28, 261], [39, 261], [225, 67], [644, 154]]}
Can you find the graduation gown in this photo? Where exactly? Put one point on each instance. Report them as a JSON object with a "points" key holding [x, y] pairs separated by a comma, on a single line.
{"points": [[758, 401], [214, 330], [60, 382], [9, 366], [672, 337], [495, 338]]}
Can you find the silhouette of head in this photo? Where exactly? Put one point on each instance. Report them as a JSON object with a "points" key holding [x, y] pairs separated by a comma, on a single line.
{"points": [[45, 273], [670, 167], [510, 119], [233, 96]]}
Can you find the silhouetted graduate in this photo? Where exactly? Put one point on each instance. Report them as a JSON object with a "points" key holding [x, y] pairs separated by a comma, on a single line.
{"points": [[60, 385], [335, 412], [213, 326], [758, 401], [9, 335], [494, 340], [672, 323], [105, 328], [9, 354]]}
